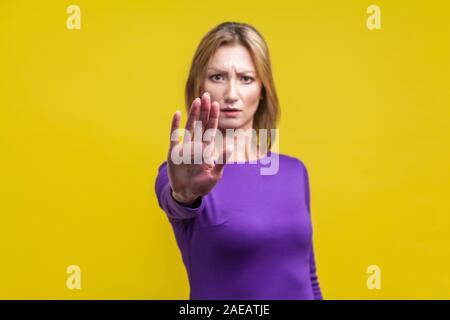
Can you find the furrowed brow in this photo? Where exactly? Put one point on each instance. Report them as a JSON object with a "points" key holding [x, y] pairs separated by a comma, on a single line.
{"points": [[225, 71]]}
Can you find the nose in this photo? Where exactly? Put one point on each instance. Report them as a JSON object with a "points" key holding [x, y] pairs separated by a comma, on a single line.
{"points": [[231, 95]]}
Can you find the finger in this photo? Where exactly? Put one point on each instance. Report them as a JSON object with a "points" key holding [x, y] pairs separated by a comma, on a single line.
{"points": [[194, 112], [205, 109], [218, 168], [174, 134], [213, 120]]}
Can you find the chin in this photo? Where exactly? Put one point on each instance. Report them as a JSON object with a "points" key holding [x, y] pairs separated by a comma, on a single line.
{"points": [[229, 124]]}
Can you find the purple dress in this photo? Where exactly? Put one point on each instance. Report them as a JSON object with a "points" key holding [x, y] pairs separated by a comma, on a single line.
{"points": [[250, 238]]}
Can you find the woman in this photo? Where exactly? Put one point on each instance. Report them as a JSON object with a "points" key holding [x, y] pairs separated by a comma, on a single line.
{"points": [[242, 234]]}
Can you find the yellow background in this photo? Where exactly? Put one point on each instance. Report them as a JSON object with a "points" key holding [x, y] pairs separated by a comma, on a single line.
{"points": [[84, 125]]}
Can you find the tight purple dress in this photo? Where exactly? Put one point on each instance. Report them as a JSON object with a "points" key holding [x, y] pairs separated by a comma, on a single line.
{"points": [[250, 238]]}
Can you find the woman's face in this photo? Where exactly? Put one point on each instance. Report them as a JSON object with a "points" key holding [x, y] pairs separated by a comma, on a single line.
{"points": [[232, 81]]}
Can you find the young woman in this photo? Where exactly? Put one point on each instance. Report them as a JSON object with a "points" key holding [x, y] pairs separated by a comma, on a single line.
{"points": [[242, 234]]}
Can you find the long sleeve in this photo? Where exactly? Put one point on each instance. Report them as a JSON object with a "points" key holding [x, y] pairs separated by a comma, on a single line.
{"points": [[312, 260], [313, 274], [175, 211], [249, 227]]}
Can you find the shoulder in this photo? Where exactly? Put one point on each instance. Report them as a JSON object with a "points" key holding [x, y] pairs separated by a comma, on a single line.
{"points": [[161, 178], [292, 162], [162, 167], [294, 167]]}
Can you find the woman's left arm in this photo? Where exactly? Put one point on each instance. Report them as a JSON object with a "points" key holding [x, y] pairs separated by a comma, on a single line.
{"points": [[313, 275], [312, 260]]}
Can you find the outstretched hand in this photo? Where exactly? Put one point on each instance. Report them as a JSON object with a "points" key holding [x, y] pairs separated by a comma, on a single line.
{"points": [[191, 180]]}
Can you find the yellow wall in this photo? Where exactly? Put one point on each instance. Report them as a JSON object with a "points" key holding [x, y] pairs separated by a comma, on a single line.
{"points": [[84, 124]]}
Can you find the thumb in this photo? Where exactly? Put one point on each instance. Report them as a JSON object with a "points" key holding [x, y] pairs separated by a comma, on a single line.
{"points": [[226, 155]]}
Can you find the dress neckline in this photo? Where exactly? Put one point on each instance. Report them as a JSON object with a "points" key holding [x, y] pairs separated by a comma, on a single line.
{"points": [[252, 162]]}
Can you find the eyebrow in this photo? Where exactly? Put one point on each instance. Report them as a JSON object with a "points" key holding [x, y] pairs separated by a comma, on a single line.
{"points": [[224, 71]]}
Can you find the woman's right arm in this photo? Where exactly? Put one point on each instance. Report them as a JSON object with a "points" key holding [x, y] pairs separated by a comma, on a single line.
{"points": [[175, 210], [181, 186]]}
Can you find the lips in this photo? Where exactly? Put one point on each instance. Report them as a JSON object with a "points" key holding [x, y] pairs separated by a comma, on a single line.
{"points": [[230, 109], [230, 112]]}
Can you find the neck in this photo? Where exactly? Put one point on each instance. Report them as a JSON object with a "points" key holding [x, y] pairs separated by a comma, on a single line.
{"points": [[244, 148]]}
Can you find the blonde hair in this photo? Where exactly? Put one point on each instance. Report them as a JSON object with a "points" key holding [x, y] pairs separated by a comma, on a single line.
{"points": [[268, 113]]}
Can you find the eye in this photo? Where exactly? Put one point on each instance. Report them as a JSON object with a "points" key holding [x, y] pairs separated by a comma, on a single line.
{"points": [[216, 77], [247, 79]]}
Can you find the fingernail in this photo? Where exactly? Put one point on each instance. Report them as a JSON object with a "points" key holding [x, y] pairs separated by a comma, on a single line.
{"points": [[207, 93]]}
